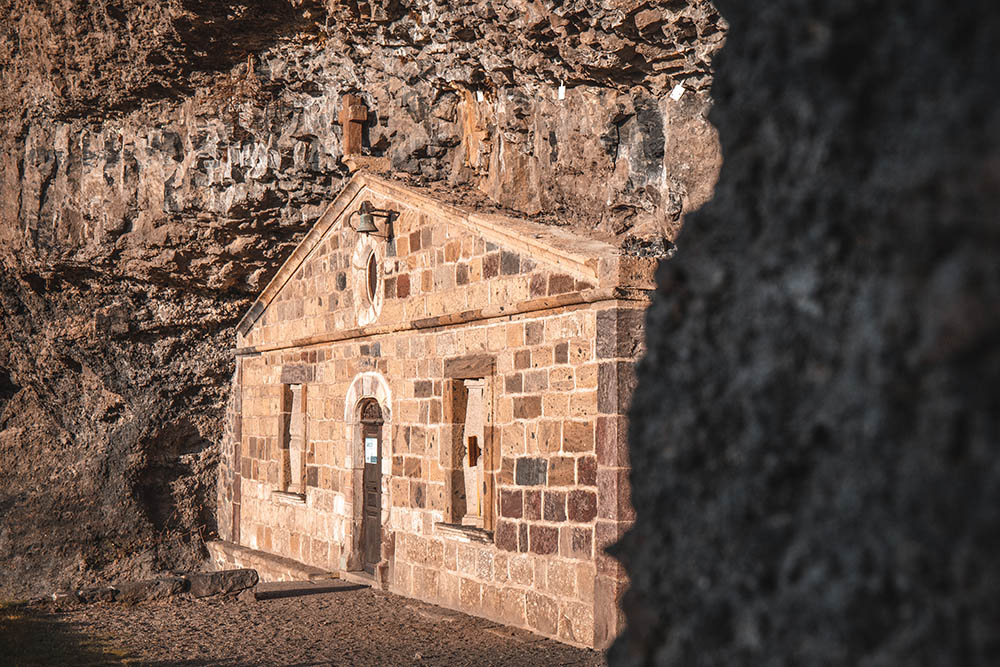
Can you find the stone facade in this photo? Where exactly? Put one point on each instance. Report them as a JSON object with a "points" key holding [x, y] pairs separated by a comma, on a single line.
{"points": [[543, 324]]}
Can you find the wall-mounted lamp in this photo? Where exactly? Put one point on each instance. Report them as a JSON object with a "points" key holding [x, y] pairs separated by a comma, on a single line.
{"points": [[366, 219]]}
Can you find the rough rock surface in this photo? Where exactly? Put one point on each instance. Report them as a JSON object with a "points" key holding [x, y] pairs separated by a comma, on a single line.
{"points": [[215, 583], [159, 159], [816, 426], [196, 585], [150, 589]]}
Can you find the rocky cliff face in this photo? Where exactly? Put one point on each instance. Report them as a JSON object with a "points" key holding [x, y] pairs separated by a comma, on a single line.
{"points": [[160, 159], [815, 432]]}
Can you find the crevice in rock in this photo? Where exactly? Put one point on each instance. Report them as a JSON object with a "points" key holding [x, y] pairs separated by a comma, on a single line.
{"points": [[8, 388], [170, 456]]}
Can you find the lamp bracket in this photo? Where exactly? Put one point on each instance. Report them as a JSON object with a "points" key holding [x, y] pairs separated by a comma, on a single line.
{"points": [[366, 209]]}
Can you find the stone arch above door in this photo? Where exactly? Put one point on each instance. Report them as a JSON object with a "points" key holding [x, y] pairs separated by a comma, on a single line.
{"points": [[370, 384]]}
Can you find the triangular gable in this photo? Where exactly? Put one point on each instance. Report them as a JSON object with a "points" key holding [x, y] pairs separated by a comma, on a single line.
{"points": [[589, 260]]}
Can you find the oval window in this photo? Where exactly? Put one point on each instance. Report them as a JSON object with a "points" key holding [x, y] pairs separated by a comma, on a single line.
{"points": [[372, 276]]}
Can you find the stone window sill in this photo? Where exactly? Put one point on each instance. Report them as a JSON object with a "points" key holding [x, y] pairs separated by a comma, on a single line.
{"points": [[463, 533], [288, 498]]}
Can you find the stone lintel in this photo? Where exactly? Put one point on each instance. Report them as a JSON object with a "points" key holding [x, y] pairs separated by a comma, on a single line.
{"points": [[288, 498], [463, 533], [298, 373], [470, 366]]}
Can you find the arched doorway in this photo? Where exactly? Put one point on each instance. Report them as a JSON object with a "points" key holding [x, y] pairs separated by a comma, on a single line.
{"points": [[371, 513]]}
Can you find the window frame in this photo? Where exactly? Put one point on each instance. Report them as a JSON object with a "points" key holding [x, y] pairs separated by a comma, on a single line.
{"points": [[373, 277], [286, 484], [456, 372]]}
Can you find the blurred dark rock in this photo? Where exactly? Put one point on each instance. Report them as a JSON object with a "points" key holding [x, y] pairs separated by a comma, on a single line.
{"points": [[815, 432]]}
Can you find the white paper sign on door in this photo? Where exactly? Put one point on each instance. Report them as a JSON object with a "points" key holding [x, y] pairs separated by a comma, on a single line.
{"points": [[371, 450]]}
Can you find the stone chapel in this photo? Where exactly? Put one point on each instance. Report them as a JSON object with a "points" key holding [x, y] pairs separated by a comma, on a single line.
{"points": [[434, 398]]}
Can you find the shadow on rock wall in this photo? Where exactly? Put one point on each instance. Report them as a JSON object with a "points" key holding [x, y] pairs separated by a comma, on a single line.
{"points": [[815, 431]]}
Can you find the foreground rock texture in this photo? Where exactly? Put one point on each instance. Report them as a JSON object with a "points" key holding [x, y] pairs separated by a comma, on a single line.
{"points": [[814, 444], [160, 159]]}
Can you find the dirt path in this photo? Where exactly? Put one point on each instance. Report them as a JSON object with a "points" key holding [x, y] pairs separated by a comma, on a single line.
{"points": [[347, 626]]}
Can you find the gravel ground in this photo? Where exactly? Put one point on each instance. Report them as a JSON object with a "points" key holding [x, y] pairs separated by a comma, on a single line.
{"points": [[346, 626]]}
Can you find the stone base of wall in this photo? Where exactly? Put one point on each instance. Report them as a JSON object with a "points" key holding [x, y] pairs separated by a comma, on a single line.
{"points": [[544, 593], [226, 556]]}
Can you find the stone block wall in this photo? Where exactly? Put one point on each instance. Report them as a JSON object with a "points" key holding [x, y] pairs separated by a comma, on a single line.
{"points": [[224, 555], [550, 322], [558, 382], [227, 486], [430, 269]]}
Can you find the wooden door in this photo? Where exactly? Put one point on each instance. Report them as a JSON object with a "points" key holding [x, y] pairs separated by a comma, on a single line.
{"points": [[371, 523]]}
